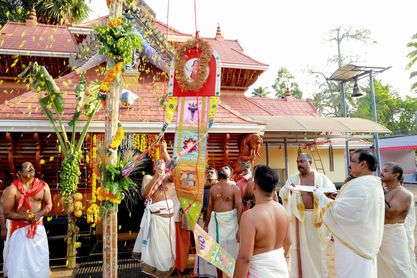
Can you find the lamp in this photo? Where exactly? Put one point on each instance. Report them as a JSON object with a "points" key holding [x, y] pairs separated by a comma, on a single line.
{"points": [[355, 91]]}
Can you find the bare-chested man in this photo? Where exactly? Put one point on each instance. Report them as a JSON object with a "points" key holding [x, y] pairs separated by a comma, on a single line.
{"points": [[308, 236], [394, 257], [26, 201], [264, 231], [223, 213], [156, 238]]}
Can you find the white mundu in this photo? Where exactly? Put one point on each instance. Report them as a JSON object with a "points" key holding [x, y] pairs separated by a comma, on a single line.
{"points": [[156, 238], [396, 256], [356, 220], [312, 235], [28, 257], [270, 264]]}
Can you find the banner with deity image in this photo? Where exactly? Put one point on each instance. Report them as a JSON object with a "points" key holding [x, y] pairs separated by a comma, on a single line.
{"points": [[189, 173]]}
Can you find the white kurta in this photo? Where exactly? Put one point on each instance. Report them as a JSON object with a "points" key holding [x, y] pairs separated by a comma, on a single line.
{"points": [[270, 264], [222, 228], [156, 238], [356, 219], [313, 236], [28, 257]]}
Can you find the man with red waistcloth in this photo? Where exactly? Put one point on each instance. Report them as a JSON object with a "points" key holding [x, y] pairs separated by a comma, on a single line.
{"points": [[26, 201]]}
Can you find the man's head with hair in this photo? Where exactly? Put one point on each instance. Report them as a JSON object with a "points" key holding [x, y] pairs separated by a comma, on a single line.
{"points": [[392, 172], [211, 173], [265, 179], [25, 170], [225, 172], [362, 162], [304, 163]]}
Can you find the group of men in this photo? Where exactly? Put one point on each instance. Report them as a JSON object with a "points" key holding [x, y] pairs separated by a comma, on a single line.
{"points": [[371, 221]]}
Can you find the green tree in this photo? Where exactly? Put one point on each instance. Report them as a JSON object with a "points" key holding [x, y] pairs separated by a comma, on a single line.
{"points": [[47, 11], [13, 10], [413, 57], [260, 92], [393, 112], [286, 80]]}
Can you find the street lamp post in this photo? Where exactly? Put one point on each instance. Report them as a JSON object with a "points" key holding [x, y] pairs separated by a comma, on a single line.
{"points": [[376, 136]]}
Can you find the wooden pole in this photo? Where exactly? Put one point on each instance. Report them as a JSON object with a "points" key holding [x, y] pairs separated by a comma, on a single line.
{"points": [[111, 121]]}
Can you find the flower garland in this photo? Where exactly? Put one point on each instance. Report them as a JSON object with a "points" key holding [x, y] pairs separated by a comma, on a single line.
{"points": [[93, 210], [118, 137], [203, 69]]}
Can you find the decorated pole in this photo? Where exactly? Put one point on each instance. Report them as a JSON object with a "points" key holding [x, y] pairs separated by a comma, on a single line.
{"points": [[111, 123]]}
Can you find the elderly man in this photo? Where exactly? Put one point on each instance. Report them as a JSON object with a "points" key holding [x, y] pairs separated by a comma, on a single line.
{"points": [[223, 216], [394, 257], [308, 237], [356, 218], [26, 201]]}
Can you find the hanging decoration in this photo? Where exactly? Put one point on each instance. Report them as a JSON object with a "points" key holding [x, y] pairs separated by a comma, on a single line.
{"points": [[93, 210], [195, 86]]}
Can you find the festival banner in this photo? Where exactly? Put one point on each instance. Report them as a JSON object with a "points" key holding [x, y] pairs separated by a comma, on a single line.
{"points": [[195, 79], [189, 173], [212, 252]]}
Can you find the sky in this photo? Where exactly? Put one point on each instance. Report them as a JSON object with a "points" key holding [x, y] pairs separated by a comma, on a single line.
{"points": [[292, 34]]}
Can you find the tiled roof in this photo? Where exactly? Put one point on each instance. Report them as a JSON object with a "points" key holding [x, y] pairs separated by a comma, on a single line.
{"points": [[256, 106], [37, 37], [145, 109]]}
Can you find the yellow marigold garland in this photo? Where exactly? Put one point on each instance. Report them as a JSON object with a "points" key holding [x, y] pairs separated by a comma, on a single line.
{"points": [[111, 74], [93, 210], [118, 137]]}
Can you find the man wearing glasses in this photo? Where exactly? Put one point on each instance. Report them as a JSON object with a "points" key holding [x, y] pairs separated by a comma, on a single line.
{"points": [[356, 218]]}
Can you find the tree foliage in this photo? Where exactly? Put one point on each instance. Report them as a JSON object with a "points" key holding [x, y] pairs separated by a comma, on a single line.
{"points": [[395, 113], [260, 92], [47, 11], [286, 80], [413, 59]]}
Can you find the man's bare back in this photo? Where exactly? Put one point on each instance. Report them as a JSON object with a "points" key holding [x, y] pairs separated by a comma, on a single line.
{"points": [[271, 225], [264, 228]]}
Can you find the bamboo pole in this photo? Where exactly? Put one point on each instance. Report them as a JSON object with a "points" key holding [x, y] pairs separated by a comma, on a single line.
{"points": [[112, 117]]}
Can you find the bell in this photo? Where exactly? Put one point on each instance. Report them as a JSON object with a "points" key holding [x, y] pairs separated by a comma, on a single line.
{"points": [[355, 91], [127, 98]]}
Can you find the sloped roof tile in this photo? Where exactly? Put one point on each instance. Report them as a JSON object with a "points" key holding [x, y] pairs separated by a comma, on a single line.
{"points": [[38, 37]]}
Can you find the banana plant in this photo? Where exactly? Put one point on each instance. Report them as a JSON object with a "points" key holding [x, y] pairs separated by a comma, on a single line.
{"points": [[52, 103]]}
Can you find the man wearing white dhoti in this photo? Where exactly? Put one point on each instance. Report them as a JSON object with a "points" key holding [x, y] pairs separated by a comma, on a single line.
{"points": [[308, 237], [394, 258], [356, 218], [222, 219], [264, 231], [156, 239], [26, 201]]}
